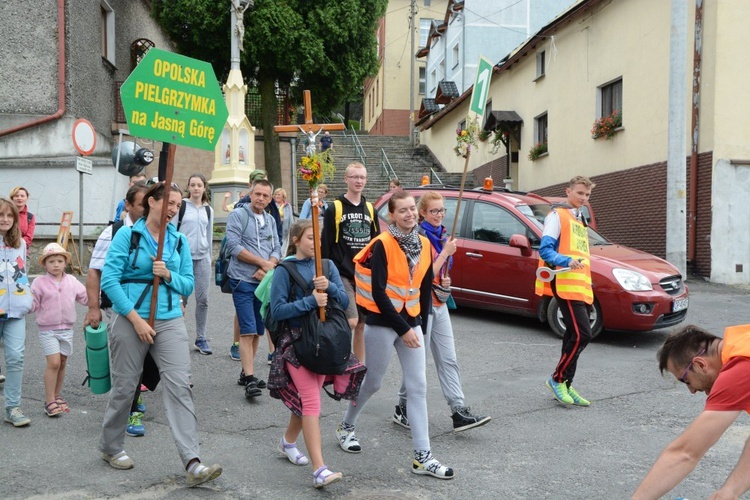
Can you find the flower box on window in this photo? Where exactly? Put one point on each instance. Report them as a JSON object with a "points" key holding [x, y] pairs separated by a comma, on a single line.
{"points": [[539, 149], [606, 126]]}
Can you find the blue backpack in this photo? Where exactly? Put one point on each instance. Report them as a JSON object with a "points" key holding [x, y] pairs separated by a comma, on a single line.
{"points": [[222, 263]]}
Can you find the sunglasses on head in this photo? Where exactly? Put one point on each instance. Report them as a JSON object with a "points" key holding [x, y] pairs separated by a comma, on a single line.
{"points": [[155, 180]]}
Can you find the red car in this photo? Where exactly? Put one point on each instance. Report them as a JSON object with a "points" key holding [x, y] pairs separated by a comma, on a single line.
{"points": [[498, 235]]}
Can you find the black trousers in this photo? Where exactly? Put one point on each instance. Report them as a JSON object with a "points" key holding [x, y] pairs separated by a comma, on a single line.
{"points": [[577, 336]]}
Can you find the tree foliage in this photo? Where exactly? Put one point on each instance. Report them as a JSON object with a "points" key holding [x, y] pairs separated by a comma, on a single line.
{"points": [[325, 46]]}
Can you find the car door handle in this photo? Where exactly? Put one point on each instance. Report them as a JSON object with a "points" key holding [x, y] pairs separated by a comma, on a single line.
{"points": [[476, 255]]}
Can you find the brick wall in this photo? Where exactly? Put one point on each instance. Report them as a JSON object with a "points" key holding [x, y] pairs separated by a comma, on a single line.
{"points": [[496, 169], [392, 122], [629, 207]]}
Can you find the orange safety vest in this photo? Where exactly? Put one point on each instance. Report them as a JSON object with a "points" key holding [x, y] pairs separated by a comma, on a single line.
{"points": [[402, 289], [574, 242], [736, 343]]}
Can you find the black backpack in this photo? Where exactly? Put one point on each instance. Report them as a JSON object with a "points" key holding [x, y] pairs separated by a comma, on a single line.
{"points": [[323, 348]]}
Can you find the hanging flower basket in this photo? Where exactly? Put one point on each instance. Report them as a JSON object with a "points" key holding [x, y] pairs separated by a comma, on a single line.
{"points": [[606, 126], [316, 168], [499, 139], [537, 150]]}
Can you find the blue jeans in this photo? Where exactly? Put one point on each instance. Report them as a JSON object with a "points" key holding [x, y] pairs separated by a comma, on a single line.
{"points": [[247, 307], [13, 335]]}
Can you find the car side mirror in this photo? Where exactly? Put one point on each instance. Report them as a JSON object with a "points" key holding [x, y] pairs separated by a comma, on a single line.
{"points": [[522, 243]]}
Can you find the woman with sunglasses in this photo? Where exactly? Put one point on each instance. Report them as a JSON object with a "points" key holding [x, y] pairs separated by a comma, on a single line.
{"points": [[439, 332], [127, 279]]}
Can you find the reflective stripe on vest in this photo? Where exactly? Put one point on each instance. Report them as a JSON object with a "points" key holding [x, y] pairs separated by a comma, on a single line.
{"points": [[574, 242], [402, 291]]}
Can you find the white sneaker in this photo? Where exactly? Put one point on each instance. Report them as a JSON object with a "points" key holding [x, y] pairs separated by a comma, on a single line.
{"points": [[204, 475], [432, 468], [348, 441]]}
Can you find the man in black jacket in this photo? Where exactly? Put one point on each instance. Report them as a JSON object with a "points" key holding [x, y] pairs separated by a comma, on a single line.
{"points": [[342, 239]]}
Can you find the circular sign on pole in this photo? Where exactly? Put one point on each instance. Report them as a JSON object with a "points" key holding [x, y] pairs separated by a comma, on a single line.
{"points": [[84, 136]]}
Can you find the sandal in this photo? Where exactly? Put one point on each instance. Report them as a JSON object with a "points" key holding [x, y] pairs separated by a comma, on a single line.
{"points": [[53, 409], [323, 477], [290, 451], [62, 404]]}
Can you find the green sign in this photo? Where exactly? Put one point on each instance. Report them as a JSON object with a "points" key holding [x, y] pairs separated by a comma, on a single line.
{"points": [[175, 99], [481, 88]]}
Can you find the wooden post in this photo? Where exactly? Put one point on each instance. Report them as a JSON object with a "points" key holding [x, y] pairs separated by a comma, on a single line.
{"points": [[316, 235], [461, 193], [169, 150], [310, 126], [460, 197]]}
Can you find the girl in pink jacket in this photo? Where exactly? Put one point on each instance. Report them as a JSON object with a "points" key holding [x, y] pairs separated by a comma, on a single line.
{"points": [[55, 297]]}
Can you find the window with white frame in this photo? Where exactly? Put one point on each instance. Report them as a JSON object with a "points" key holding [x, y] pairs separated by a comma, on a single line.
{"points": [[422, 79], [433, 81], [610, 98], [455, 56], [487, 111], [107, 27], [541, 63], [424, 31], [540, 129]]}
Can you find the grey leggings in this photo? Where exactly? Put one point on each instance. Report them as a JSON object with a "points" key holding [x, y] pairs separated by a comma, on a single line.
{"points": [[439, 337], [379, 341], [202, 272]]}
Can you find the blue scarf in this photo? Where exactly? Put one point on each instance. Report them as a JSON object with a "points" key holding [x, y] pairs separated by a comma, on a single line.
{"points": [[437, 236]]}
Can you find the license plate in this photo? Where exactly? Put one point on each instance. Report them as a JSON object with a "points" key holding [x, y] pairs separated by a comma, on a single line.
{"points": [[680, 305]]}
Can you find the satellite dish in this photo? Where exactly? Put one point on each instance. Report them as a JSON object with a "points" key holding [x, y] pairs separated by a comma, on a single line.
{"points": [[133, 158]]}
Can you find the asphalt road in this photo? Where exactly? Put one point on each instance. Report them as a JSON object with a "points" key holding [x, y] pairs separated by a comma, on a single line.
{"points": [[533, 448]]}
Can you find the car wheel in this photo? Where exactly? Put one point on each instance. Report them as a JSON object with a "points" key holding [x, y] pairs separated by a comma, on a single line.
{"points": [[555, 319]]}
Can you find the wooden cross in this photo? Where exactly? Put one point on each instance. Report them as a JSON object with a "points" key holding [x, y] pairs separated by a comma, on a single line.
{"points": [[308, 128]]}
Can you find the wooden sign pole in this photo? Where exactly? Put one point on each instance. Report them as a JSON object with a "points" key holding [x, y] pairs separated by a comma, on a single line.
{"points": [[170, 152]]}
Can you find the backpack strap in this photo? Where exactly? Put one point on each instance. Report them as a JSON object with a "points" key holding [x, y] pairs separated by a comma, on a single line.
{"points": [[183, 207], [210, 228], [296, 276], [338, 211], [29, 216]]}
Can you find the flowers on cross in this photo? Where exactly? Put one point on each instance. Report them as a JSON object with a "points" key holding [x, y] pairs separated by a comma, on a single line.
{"points": [[466, 138], [317, 167], [605, 127]]}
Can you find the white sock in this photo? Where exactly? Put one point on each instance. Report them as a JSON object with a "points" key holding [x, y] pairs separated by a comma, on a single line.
{"points": [[196, 468]]}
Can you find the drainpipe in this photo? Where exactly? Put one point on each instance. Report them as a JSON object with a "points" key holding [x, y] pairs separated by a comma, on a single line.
{"points": [[693, 207], [60, 77]]}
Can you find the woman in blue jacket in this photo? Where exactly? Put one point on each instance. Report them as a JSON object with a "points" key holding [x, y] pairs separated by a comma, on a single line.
{"points": [[127, 279]]}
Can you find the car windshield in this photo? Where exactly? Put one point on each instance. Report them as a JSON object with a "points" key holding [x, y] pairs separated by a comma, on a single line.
{"points": [[537, 213]]}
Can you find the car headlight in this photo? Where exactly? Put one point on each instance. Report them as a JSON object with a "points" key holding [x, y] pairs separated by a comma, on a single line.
{"points": [[631, 280]]}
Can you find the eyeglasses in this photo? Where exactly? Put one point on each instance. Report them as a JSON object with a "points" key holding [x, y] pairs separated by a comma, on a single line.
{"points": [[437, 211], [684, 374], [357, 177]]}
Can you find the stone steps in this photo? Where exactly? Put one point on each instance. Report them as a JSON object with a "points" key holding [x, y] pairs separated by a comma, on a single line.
{"points": [[408, 163]]}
